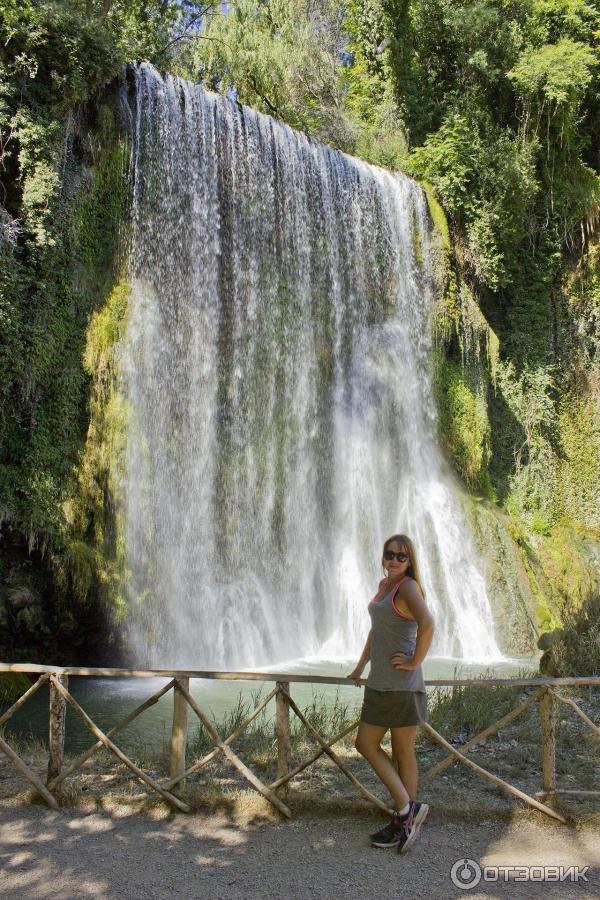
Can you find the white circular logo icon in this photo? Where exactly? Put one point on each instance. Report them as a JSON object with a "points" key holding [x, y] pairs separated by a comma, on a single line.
{"points": [[465, 874]]}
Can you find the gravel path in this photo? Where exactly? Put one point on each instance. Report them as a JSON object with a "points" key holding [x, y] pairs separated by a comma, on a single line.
{"points": [[71, 855]]}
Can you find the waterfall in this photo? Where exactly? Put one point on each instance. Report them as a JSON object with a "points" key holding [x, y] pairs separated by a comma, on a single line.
{"points": [[281, 421]]}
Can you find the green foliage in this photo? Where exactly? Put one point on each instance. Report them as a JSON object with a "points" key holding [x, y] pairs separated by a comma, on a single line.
{"points": [[12, 685], [367, 87], [463, 424], [529, 397], [100, 214], [62, 202], [497, 101], [438, 218], [577, 489], [565, 555], [554, 78], [313, 65], [485, 179], [93, 557], [450, 158], [575, 650], [279, 56]]}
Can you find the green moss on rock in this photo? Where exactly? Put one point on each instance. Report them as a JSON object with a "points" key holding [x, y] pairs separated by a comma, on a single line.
{"points": [[535, 582], [64, 435], [578, 467], [570, 560], [438, 217], [463, 424], [514, 592], [96, 552]]}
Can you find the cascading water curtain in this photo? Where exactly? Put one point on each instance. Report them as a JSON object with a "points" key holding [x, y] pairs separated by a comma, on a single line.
{"points": [[277, 374]]}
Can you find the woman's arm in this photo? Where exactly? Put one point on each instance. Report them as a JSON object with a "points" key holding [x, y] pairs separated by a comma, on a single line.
{"points": [[413, 598], [364, 659]]}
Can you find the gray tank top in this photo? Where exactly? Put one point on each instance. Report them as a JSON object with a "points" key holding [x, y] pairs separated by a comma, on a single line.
{"points": [[392, 632]]}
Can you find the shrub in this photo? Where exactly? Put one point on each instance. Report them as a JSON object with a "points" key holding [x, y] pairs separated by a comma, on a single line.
{"points": [[575, 650]]}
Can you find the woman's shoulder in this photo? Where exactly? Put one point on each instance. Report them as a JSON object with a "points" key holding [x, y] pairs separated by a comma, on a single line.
{"points": [[409, 586], [405, 581]]}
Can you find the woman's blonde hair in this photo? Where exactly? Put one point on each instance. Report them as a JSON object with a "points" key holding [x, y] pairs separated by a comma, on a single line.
{"points": [[408, 546]]}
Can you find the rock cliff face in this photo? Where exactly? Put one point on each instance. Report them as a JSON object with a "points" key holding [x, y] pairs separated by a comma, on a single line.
{"points": [[512, 593]]}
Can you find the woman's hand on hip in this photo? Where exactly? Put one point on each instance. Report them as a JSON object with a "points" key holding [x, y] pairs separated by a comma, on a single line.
{"points": [[403, 661]]}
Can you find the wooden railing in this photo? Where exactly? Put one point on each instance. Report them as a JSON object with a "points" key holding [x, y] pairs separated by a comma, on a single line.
{"points": [[546, 693]]}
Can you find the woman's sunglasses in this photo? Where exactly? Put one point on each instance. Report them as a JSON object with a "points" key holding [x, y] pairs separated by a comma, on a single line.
{"points": [[389, 555]]}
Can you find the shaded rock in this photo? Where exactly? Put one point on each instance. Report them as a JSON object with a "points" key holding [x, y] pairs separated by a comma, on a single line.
{"points": [[22, 596], [548, 638], [513, 598]]}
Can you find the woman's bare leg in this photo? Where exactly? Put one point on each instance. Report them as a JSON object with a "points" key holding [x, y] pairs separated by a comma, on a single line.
{"points": [[403, 750], [368, 744]]}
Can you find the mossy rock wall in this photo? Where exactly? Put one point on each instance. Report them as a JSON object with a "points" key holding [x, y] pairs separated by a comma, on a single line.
{"points": [[60, 549], [524, 443], [532, 580], [512, 591], [569, 563]]}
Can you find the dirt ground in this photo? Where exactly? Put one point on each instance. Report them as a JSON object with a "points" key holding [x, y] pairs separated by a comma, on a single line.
{"points": [[114, 840], [235, 853]]}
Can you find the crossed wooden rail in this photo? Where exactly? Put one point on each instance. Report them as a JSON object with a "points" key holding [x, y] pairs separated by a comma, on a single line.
{"points": [[544, 693]]}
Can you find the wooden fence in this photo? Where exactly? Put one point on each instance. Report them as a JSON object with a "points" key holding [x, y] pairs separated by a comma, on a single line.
{"points": [[545, 693]]}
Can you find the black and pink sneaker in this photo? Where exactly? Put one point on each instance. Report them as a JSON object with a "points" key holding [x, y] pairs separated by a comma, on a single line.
{"points": [[394, 834], [416, 817]]}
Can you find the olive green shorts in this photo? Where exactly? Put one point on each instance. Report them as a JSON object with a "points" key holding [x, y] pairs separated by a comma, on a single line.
{"points": [[393, 709]]}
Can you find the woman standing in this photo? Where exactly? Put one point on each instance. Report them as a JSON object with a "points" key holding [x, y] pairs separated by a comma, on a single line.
{"points": [[395, 698]]}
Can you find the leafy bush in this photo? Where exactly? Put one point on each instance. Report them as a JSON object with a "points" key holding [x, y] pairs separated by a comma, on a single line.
{"points": [[575, 650], [500, 103]]}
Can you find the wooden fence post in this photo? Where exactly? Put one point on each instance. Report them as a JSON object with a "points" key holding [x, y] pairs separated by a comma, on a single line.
{"points": [[284, 737], [547, 721], [179, 732], [56, 729]]}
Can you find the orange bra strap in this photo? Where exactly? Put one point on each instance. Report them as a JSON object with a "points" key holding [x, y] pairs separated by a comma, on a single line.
{"points": [[394, 607]]}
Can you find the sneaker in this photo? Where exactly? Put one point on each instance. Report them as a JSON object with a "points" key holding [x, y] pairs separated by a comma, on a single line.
{"points": [[394, 834], [412, 825]]}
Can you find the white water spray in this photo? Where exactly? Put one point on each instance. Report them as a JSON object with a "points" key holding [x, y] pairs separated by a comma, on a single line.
{"points": [[277, 373]]}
